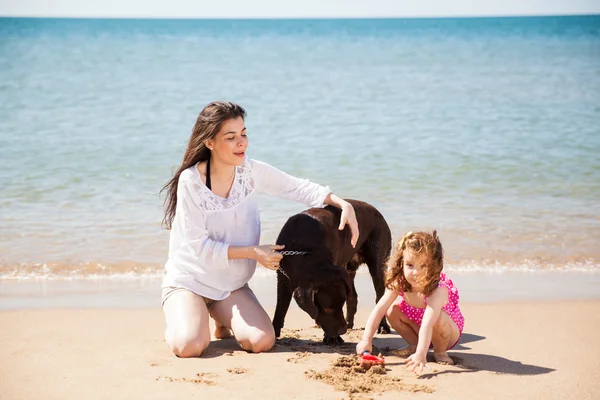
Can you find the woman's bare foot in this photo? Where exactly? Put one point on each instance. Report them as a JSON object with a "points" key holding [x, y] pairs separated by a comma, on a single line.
{"points": [[443, 358], [222, 332], [406, 351]]}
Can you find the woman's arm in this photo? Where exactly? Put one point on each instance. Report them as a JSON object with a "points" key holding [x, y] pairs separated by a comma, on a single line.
{"points": [[265, 254], [366, 344], [348, 216], [205, 251], [192, 235], [272, 181]]}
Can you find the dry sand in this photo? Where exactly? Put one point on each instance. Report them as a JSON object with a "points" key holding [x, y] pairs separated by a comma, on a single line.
{"points": [[529, 350]]}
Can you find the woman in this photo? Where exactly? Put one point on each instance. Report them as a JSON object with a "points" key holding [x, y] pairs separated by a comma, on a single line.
{"points": [[212, 213]]}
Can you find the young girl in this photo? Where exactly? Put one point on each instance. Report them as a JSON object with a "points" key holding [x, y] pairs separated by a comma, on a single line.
{"points": [[427, 312], [213, 216]]}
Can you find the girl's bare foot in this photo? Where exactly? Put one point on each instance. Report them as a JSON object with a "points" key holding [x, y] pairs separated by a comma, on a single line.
{"points": [[222, 332], [443, 358], [406, 351]]}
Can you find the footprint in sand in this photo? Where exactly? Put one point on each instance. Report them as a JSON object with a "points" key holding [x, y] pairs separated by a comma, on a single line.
{"points": [[204, 378], [237, 371], [299, 356], [291, 333]]}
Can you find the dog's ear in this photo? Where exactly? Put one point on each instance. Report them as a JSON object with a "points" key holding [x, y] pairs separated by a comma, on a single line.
{"points": [[312, 308], [306, 301], [342, 274]]}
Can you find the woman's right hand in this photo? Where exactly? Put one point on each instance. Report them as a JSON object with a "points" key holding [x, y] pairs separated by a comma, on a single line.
{"points": [[364, 345], [267, 255]]}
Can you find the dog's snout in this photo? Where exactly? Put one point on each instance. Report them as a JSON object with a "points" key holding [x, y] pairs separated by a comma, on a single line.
{"points": [[343, 329]]}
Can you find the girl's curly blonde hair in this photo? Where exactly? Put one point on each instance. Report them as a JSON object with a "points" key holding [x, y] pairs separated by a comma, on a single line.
{"points": [[421, 243]]}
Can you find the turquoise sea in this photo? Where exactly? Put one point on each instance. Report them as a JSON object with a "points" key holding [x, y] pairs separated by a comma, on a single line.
{"points": [[486, 129]]}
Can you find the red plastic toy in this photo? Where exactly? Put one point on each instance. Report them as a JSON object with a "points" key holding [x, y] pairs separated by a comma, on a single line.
{"points": [[368, 360]]}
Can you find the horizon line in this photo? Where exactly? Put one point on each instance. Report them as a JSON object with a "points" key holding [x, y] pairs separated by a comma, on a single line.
{"points": [[374, 17]]}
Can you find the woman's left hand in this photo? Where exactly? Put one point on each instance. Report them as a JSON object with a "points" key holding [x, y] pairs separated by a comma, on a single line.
{"points": [[349, 218]]}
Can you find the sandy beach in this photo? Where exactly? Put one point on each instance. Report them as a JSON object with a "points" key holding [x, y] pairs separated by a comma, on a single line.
{"points": [[484, 129], [508, 350]]}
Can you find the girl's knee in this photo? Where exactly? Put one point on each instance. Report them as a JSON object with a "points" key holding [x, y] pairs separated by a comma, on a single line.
{"points": [[186, 346], [392, 311], [395, 313], [442, 327], [439, 323]]}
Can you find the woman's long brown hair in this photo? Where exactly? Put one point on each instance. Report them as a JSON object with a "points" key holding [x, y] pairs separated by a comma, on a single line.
{"points": [[208, 124]]}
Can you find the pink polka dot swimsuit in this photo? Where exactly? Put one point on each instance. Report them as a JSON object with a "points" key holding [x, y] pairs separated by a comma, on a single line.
{"points": [[451, 308]]}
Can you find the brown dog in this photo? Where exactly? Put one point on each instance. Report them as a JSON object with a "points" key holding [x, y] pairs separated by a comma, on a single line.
{"points": [[322, 280]]}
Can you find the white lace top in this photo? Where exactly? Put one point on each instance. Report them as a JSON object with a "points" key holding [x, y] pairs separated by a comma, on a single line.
{"points": [[205, 225]]}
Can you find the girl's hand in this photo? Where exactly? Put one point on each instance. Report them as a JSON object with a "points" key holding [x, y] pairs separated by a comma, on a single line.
{"points": [[363, 345], [415, 361], [267, 256], [349, 218]]}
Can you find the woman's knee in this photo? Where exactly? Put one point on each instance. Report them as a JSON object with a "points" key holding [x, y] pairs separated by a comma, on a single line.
{"points": [[259, 341], [187, 345]]}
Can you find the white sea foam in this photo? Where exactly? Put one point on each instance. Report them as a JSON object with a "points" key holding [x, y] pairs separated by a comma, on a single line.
{"points": [[44, 271]]}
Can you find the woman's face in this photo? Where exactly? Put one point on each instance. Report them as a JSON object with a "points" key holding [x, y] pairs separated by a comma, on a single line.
{"points": [[230, 144]]}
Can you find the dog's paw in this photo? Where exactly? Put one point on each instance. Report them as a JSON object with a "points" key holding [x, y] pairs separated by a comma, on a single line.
{"points": [[384, 328], [333, 340], [277, 330]]}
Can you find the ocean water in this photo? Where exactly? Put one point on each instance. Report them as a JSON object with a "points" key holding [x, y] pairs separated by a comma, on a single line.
{"points": [[486, 129]]}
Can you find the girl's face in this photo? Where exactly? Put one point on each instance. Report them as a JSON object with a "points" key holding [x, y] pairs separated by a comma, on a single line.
{"points": [[230, 144], [414, 268]]}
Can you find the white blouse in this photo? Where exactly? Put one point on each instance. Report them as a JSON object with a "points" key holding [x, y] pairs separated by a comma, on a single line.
{"points": [[205, 225]]}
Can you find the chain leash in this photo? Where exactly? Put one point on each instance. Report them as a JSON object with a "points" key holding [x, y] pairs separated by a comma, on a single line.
{"points": [[290, 253]]}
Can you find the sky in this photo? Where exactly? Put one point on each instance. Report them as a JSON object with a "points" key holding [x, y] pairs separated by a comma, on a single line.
{"points": [[293, 8]]}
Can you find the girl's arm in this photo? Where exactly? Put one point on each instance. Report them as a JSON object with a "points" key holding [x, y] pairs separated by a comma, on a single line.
{"points": [[435, 302], [366, 344]]}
